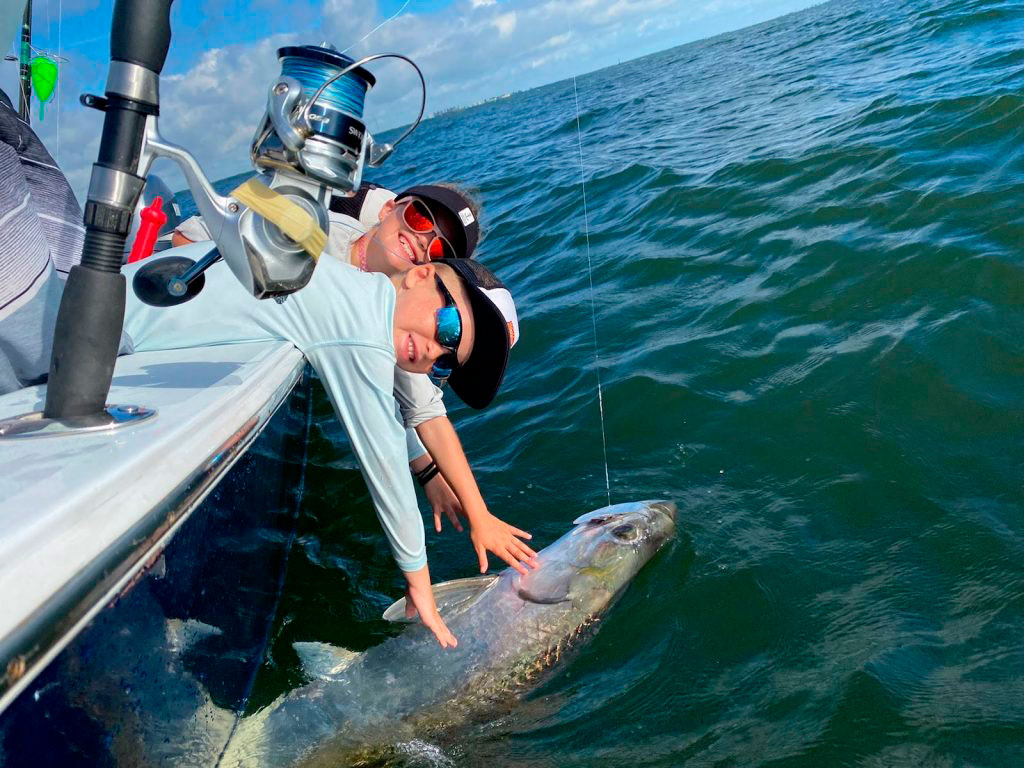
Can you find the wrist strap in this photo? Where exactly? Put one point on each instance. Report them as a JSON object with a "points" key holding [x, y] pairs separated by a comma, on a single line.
{"points": [[427, 474]]}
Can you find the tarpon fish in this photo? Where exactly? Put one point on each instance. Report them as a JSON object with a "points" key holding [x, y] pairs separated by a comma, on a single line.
{"points": [[511, 628]]}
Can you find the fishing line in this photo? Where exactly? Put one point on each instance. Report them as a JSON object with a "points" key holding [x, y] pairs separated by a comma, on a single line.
{"points": [[60, 50], [593, 312], [388, 20], [346, 94]]}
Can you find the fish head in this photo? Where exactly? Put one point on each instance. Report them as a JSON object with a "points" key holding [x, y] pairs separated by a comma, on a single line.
{"points": [[592, 563]]}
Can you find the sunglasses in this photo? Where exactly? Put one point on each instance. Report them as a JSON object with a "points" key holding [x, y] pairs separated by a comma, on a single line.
{"points": [[448, 335], [419, 220]]}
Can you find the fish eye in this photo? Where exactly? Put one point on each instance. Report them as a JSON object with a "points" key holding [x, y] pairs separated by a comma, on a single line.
{"points": [[626, 532]]}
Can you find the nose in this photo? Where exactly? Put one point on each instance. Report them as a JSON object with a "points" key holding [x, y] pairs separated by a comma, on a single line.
{"points": [[420, 241], [432, 350]]}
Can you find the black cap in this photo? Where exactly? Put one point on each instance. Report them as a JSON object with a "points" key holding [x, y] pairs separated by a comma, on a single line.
{"points": [[453, 214], [496, 325]]}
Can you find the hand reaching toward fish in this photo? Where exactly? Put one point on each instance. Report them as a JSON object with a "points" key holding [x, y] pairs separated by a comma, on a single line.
{"points": [[442, 499], [489, 534], [420, 599]]}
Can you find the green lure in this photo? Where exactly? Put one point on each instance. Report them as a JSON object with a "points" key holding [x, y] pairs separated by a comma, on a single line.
{"points": [[44, 80]]}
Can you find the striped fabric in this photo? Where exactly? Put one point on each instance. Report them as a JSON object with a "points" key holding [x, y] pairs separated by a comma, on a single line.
{"points": [[41, 236]]}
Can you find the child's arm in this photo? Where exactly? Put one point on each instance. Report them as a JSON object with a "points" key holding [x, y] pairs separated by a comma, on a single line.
{"points": [[358, 381], [422, 406], [420, 599], [439, 494], [488, 533]]}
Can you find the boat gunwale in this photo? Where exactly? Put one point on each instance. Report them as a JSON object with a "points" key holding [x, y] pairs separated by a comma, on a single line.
{"points": [[30, 647]]}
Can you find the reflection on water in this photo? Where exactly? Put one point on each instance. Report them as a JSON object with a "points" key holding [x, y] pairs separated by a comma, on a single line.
{"points": [[160, 676]]}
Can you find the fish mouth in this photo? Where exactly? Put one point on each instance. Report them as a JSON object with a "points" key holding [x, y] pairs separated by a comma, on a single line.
{"points": [[666, 508], [664, 520]]}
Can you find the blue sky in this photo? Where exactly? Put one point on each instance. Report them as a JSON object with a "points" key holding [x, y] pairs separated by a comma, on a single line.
{"points": [[222, 57]]}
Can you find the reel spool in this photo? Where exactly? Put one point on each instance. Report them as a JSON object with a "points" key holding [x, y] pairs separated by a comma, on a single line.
{"points": [[311, 144], [313, 125]]}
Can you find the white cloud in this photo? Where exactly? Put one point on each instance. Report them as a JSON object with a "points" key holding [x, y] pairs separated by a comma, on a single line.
{"points": [[467, 51], [505, 24], [213, 109], [557, 41]]}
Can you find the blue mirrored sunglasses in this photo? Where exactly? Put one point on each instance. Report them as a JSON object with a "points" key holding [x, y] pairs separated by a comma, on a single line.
{"points": [[448, 335]]}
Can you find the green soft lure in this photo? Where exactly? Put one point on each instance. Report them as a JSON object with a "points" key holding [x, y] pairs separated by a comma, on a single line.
{"points": [[44, 80]]}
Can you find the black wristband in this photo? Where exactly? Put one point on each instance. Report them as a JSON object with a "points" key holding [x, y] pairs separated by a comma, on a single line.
{"points": [[427, 474]]}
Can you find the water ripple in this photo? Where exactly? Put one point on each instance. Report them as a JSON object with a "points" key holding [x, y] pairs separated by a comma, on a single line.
{"points": [[809, 293]]}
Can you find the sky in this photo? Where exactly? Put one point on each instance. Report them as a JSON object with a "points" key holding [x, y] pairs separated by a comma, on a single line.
{"points": [[223, 58]]}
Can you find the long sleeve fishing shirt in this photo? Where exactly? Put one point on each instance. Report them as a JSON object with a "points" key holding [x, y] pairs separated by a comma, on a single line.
{"points": [[419, 400], [41, 236], [342, 322]]}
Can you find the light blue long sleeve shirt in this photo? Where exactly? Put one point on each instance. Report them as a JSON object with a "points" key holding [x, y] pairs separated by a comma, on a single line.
{"points": [[342, 322], [419, 400]]}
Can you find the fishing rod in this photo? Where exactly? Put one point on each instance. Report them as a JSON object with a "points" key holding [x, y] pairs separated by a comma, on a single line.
{"points": [[91, 314], [24, 68], [312, 143]]}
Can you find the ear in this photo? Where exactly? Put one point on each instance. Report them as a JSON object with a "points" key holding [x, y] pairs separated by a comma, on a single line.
{"points": [[386, 209], [418, 274]]}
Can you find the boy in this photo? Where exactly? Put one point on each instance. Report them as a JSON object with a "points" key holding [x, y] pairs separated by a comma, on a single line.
{"points": [[450, 317], [377, 231]]}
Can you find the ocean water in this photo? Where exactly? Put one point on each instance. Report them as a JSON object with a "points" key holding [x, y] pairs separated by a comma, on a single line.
{"points": [[807, 320]]}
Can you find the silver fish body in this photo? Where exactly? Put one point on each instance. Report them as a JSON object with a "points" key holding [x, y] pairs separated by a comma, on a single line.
{"points": [[512, 629]]}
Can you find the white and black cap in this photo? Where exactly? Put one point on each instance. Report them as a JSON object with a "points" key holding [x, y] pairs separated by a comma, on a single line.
{"points": [[496, 325]]}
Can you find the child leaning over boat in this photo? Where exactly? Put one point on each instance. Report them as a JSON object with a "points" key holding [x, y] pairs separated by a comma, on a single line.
{"points": [[377, 231], [451, 317]]}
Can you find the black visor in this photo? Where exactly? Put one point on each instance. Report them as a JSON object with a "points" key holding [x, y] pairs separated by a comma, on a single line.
{"points": [[477, 380]]}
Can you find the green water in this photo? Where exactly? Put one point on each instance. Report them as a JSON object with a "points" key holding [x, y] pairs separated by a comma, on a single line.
{"points": [[806, 241]]}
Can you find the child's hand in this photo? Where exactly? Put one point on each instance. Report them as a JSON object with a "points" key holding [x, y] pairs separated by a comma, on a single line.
{"points": [[443, 499], [489, 534], [420, 599]]}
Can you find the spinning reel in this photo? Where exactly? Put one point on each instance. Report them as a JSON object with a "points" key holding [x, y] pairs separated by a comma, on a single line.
{"points": [[311, 144]]}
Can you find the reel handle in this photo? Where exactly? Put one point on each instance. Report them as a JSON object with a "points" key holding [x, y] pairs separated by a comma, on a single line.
{"points": [[172, 280]]}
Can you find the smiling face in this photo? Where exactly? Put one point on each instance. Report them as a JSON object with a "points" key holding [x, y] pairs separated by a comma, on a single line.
{"points": [[415, 323], [392, 247]]}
